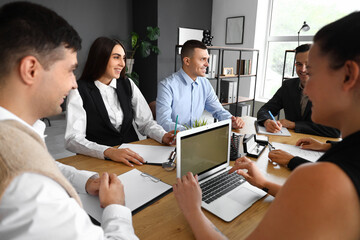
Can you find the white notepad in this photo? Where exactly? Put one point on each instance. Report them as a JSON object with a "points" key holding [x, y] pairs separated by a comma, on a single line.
{"points": [[151, 154], [139, 190], [262, 130], [310, 155]]}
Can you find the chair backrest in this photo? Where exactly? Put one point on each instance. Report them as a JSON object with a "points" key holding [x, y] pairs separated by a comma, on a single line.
{"points": [[152, 106]]}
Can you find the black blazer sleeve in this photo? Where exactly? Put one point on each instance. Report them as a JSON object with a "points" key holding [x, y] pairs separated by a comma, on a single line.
{"points": [[316, 129], [274, 105], [296, 161]]}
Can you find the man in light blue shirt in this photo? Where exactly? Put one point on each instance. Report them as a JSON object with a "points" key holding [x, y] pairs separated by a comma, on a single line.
{"points": [[187, 93]]}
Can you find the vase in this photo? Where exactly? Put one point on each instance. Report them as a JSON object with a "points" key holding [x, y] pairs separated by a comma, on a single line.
{"points": [[129, 65]]}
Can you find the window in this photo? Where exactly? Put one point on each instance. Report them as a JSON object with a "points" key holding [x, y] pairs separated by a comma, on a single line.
{"points": [[285, 20]]}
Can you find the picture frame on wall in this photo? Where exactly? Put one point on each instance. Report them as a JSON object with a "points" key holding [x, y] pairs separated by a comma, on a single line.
{"points": [[235, 30]]}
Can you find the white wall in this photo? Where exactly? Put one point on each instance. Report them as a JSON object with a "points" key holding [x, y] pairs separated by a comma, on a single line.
{"points": [[232, 8], [223, 9], [255, 33]]}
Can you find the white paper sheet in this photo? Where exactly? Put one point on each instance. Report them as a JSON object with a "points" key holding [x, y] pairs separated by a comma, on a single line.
{"points": [[138, 189], [297, 151], [151, 154], [284, 131]]}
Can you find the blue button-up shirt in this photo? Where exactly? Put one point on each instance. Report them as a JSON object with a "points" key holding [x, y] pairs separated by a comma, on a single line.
{"points": [[180, 95]]}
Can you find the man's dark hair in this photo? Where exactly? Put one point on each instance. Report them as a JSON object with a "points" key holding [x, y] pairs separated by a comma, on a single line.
{"points": [[302, 48], [31, 29], [187, 49], [340, 40], [98, 58]]}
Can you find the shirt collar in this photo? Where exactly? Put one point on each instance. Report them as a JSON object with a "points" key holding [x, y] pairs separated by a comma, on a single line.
{"points": [[186, 77], [300, 86], [38, 126], [102, 86]]}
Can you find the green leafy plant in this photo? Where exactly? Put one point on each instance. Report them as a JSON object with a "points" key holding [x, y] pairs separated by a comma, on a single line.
{"points": [[197, 123], [144, 47]]}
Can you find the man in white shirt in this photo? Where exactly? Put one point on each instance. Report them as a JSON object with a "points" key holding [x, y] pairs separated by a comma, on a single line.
{"points": [[38, 52]]}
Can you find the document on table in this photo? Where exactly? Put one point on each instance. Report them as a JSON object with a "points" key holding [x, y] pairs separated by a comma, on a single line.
{"points": [[262, 130], [151, 154], [140, 190], [310, 155]]}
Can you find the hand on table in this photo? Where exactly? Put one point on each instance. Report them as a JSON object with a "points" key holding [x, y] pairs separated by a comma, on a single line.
{"points": [[312, 144], [272, 126], [281, 157], [124, 155], [253, 174], [111, 190], [237, 122]]}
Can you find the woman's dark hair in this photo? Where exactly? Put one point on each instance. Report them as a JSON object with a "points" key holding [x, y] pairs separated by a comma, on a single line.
{"points": [[340, 40], [98, 58]]}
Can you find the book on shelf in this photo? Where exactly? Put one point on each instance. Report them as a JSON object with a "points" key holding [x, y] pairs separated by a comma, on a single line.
{"points": [[243, 109], [243, 67], [234, 95], [208, 72], [211, 69], [213, 65], [226, 91]]}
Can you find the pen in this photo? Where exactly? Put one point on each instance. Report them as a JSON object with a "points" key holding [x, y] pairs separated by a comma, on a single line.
{"points": [[274, 119], [271, 146], [176, 124], [157, 164]]}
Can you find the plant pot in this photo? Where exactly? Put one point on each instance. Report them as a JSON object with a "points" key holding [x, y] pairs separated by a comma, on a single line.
{"points": [[129, 65]]}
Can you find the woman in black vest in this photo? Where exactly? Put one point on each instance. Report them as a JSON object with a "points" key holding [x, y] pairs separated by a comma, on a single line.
{"points": [[100, 113]]}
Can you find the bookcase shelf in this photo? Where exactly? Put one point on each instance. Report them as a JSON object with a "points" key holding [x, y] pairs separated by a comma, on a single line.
{"points": [[251, 68], [240, 100]]}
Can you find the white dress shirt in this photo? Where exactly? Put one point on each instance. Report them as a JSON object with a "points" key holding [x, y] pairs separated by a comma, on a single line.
{"points": [[34, 206], [75, 136]]}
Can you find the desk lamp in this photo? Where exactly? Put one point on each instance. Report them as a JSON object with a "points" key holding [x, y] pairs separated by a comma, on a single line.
{"points": [[304, 27]]}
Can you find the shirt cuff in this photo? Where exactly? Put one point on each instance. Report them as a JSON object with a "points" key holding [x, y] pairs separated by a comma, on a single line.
{"points": [[296, 161], [118, 216], [100, 151], [80, 179], [117, 211], [158, 137]]}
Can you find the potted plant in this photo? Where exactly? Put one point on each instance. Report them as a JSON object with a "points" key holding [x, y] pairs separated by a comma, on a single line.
{"points": [[143, 47]]}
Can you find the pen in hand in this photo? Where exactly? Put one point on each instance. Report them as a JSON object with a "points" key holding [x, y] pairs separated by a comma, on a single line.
{"points": [[274, 120], [177, 116]]}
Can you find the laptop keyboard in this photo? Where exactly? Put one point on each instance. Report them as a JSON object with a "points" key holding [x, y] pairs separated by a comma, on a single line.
{"points": [[220, 185]]}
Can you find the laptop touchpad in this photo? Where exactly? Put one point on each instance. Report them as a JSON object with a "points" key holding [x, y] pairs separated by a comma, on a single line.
{"points": [[244, 196]]}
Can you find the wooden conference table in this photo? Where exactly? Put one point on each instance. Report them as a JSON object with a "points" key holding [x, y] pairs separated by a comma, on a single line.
{"points": [[164, 220]]}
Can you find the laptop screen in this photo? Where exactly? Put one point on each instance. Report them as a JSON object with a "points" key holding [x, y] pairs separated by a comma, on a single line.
{"points": [[204, 150]]}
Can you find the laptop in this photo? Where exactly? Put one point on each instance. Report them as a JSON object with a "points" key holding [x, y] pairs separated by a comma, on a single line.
{"points": [[206, 151]]}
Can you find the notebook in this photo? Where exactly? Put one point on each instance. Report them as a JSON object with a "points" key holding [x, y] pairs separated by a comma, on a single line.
{"points": [[262, 130], [206, 151]]}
